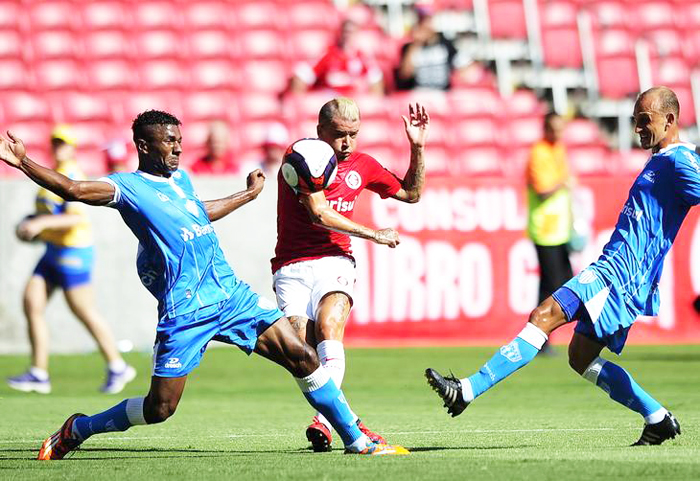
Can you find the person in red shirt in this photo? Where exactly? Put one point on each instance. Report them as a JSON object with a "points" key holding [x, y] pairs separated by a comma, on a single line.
{"points": [[343, 68], [218, 158], [313, 268]]}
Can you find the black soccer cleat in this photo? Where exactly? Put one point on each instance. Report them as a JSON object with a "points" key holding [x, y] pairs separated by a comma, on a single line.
{"points": [[654, 434], [449, 389]]}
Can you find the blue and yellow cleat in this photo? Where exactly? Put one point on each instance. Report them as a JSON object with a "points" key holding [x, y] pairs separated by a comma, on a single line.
{"points": [[380, 449]]}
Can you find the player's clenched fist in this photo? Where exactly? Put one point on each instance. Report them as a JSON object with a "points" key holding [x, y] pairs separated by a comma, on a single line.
{"points": [[255, 181], [387, 237]]}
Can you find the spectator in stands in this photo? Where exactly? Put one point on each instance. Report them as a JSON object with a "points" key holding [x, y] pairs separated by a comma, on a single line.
{"points": [[116, 156], [218, 158], [67, 264], [273, 147], [549, 207], [429, 59], [342, 69]]}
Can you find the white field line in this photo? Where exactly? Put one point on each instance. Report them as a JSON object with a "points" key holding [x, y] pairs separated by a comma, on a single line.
{"points": [[286, 435]]}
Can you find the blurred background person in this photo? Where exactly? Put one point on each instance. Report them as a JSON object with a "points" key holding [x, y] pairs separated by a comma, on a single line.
{"points": [[218, 157], [117, 156], [549, 208], [67, 265], [343, 69], [428, 59], [272, 150]]}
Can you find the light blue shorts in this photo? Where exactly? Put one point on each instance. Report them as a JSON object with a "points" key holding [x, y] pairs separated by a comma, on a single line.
{"points": [[238, 320]]}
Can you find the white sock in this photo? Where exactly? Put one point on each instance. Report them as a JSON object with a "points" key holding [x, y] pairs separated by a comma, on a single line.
{"points": [[313, 381], [134, 411], [467, 393], [359, 444], [332, 356], [39, 373], [117, 366], [656, 416]]}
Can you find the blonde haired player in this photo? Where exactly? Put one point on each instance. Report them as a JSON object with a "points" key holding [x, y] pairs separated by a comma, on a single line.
{"points": [[314, 271]]}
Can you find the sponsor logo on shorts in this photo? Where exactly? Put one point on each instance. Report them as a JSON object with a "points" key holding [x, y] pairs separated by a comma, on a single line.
{"points": [[173, 363], [587, 276], [511, 352], [353, 180]]}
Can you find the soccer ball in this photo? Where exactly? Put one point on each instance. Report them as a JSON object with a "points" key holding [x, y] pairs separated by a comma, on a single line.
{"points": [[309, 165]]}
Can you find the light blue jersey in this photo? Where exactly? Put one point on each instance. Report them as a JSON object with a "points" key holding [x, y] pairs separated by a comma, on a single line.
{"points": [[623, 283], [179, 259]]}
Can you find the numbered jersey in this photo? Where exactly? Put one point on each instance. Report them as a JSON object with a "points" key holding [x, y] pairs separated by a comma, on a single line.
{"points": [[298, 239], [179, 259]]}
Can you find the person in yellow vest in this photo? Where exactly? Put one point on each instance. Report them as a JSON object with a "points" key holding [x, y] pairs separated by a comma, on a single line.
{"points": [[549, 207], [67, 264]]}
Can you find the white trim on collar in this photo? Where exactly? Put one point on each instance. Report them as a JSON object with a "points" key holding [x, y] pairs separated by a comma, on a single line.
{"points": [[687, 145], [152, 177]]}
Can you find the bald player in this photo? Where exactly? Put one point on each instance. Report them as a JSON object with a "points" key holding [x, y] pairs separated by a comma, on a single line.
{"points": [[605, 298]]}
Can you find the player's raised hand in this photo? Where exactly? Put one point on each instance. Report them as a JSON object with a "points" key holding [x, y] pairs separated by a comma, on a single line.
{"points": [[417, 124], [12, 151], [387, 237], [255, 181]]}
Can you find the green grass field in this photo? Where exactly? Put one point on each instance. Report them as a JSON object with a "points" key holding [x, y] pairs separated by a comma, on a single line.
{"points": [[245, 418]]}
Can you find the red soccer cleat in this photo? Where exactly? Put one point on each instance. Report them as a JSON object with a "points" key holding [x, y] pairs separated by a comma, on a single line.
{"points": [[370, 434], [319, 436], [61, 442]]}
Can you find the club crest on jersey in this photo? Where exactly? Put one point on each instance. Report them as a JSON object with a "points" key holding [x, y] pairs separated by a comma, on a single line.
{"points": [[650, 175], [353, 180]]}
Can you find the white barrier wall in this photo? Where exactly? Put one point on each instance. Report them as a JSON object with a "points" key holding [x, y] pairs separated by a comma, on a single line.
{"points": [[247, 238]]}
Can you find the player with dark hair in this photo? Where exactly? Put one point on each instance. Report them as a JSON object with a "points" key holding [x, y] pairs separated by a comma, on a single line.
{"points": [[199, 297], [606, 297], [314, 271]]}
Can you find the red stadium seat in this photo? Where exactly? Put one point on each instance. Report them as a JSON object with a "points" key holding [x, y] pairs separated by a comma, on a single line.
{"points": [[107, 44], [522, 132], [92, 161], [309, 45], [611, 42], [665, 42], [688, 15], [158, 44], [477, 161], [12, 15], [262, 44], [652, 15], [507, 19], [15, 76], [523, 103], [51, 15], [23, 106], [214, 74], [305, 106], [616, 63], [257, 14], [372, 106], [106, 15], [475, 102], [208, 15], [55, 44], [562, 48], [591, 160], [111, 75], [632, 161], [476, 132], [259, 105], [90, 135], [155, 14], [135, 103], [609, 14], [163, 74], [265, 75], [58, 75], [436, 103], [210, 106], [12, 45], [374, 132], [324, 16], [82, 107], [582, 132], [35, 135], [209, 44]]}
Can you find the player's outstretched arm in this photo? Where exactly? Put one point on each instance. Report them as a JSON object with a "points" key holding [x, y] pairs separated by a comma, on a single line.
{"points": [[216, 209], [417, 125], [13, 153], [323, 215]]}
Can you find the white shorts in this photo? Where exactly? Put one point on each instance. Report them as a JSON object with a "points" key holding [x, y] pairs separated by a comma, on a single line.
{"points": [[300, 286]]}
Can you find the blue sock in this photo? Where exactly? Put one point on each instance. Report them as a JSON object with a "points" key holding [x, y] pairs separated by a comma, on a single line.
{"points": [[121, 417], [505, 362], [322, 393], [622, 388]]}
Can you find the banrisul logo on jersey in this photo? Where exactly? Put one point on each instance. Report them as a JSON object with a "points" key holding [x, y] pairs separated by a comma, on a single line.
{"points": [[195, 231]]}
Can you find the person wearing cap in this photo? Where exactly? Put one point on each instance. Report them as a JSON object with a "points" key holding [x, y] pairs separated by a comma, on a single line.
{"points": [[428, 59], [272, 150], [67, 265]]}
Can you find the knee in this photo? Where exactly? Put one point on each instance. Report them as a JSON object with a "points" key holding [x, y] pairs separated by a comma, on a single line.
{"points": [[302, 360], [157, 411]]}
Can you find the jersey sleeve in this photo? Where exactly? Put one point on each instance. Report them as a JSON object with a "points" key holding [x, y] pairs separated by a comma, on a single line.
{"points": [[117, 181], [380, 180], [688, 176]]}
